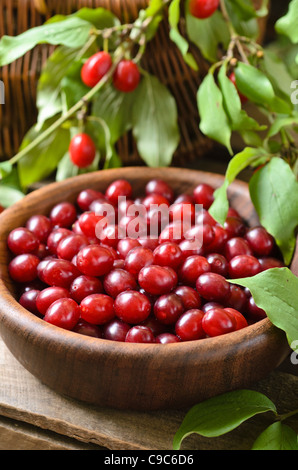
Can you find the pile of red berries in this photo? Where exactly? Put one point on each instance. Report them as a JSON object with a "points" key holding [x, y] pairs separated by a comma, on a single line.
{"points": [[106, 284]]}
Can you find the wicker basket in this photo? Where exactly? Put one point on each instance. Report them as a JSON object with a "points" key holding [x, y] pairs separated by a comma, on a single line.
{"points": [[162, 59]]}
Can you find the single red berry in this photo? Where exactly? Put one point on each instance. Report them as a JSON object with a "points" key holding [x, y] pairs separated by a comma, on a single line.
{"points": [[119, 188], [95, 260], [240, 319], [86, 329], [157, 280], [167, 338], [116, 330], [23, 268], [127, 76], [117, 281], [213, 287], [218, 321], [83, 286], [140, 334], [203, 9], [203, 194], [97, 309], [244, 266], [63, 214], [21, 241], [260, 241], [95, 68], [160, 187], [87, 196], [64, 313], [189, 326], [168, 308], [41, 226], [190, 297], [82, 150], [132, 307], [28, 301]]}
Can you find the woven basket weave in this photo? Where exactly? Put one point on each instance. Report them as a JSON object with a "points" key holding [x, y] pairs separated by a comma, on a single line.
{"points": [[162, 59]]}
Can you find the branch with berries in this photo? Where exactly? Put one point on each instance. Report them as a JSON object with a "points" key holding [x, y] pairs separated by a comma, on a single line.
{"points": [[93, 90]]}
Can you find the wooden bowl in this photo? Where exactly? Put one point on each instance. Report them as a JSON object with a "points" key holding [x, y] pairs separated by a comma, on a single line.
{"points": [[127, 375]]}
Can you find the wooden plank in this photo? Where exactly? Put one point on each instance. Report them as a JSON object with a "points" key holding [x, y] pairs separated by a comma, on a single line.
{"points": [[16, 435], [25, 400]]}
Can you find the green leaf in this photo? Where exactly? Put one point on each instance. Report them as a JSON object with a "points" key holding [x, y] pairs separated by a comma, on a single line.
{"points": [[214, 121], [222, 414], [239, 119], [73, 32], [155, 122], [72, 87], [276, 292], [115, 109], [277, 436], [254, 84], [243, 16], [287, 25], [274, 193], [207, 34], [9, 196], [176, 36], [238, 163], [49, 85], [44, 158]]}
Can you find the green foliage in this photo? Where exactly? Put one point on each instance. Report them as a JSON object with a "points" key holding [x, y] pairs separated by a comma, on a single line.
{"points": [[220, 415]]}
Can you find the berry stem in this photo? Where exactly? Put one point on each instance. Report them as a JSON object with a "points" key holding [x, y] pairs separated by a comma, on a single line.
{"points": [[77, 107]]}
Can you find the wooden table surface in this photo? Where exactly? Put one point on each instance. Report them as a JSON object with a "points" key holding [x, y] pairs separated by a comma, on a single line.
{"points": [[33, 417]]}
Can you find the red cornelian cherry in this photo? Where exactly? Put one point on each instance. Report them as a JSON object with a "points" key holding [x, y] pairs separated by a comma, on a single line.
{"points": [[115, 330], [97, 309], [218, 321], [87, 196], [71, 245], [237, 246], [21, 241], [64, 313], [192, 268], [189, 326], [167, 338], [28, 301], [82, 150], [241, 321], [59, 273], [48, 296], [95, 68], [203, 194], [95, 260], [168, 308], [127, 76], [244, 266], [41, 226], [126, 245], [158, 186], [117, 281], [190, 297], [116, 189], [213, 287], [157, 280], [86, 329], [63, 214], [139, 334], [55, 237], [137, 259], [168, 254], [260, 241], [203, 9], [83, 286], [23, 268], [132, 307]]}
